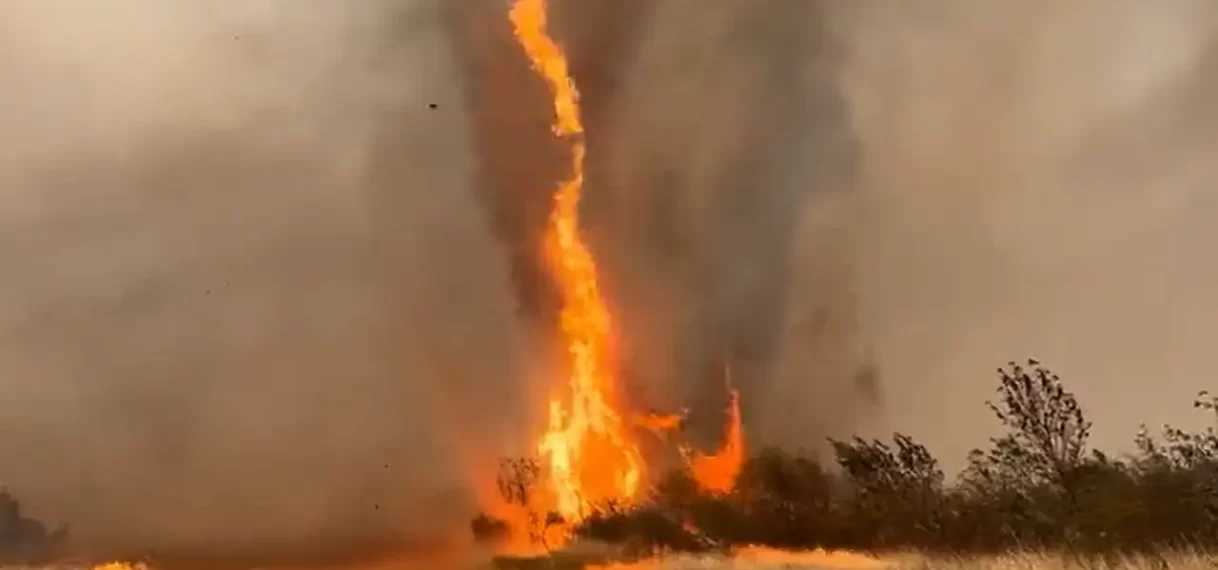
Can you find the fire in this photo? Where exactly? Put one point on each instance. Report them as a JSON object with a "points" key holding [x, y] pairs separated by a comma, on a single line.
{"points": [[120, 566], [660, 423], [590, 456], [716, 473]]}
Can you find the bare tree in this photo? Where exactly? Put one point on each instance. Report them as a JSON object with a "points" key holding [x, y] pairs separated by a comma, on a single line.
{"points": [[518, 481]]}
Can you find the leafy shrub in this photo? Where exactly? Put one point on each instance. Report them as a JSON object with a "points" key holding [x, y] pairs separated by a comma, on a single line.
{"points": [[1038, 485]]}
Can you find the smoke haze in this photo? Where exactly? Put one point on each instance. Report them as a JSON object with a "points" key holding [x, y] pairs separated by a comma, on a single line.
{"points": [[1035, 181], [258, 292], [864, 209], [245, 273]]}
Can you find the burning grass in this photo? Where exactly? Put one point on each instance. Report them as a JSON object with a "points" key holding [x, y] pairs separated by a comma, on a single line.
{"points": [[768, 559], [1037, 488]]}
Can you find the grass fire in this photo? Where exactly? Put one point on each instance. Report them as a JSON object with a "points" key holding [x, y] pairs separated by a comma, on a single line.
{"points": [[608, 285]]}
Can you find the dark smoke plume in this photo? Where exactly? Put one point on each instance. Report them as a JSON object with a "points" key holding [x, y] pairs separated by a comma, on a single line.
{"points": [[693, 199]]}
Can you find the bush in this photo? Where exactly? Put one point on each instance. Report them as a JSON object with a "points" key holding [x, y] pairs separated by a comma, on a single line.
{"points": [[24, 540], [1037, 485]]}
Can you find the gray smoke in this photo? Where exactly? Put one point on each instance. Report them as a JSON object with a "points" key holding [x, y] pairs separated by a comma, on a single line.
{"points": [[700, 119], [249, 299], [719, 213], [1035, 181], [880, 202]]}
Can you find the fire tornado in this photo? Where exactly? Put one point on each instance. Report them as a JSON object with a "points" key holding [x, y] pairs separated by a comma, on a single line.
{"points": [[589, 452]]}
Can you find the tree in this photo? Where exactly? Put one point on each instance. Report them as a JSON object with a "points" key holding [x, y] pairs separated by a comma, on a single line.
{"points": [[517, 481], [897, 491], [1048, 432], [23, 539], [789, 499]]}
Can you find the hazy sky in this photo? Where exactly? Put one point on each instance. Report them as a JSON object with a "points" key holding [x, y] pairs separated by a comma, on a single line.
{"points": [[975, 182], [251, 279], [243, 265], [1036, 182]]}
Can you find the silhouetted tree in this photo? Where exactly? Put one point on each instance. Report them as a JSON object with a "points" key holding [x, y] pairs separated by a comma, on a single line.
{"points": [[896, 491], [1048, 432], [24, 540], [517, 481], [789, 500]]}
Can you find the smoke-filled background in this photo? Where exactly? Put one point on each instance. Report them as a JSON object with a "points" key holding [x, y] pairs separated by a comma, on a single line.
{"points": [[871, 206], [243, 264], [271, 277]]}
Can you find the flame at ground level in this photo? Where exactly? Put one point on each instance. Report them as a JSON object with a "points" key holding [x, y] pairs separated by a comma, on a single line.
{"points": [[759, 558], [717, 472], [120, 566]]}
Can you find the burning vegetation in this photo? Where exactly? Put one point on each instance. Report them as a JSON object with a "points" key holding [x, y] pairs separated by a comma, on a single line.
{"points": [[1038, 487], [589, 455]]}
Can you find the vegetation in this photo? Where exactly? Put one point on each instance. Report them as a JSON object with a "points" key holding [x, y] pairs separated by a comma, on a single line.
{"points": [[23, 540], [1036, 487], [828, 560]]}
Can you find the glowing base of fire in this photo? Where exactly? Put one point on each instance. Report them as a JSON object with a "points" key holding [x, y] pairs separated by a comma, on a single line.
{"points": [[534, 519], [758, 558]]}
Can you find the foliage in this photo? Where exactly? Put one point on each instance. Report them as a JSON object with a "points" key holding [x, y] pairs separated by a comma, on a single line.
{"points": [[517, 482], [24, 540], [1038, 485]]}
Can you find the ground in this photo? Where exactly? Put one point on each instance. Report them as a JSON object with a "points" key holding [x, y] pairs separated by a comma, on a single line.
{"points": [[764, 559]]}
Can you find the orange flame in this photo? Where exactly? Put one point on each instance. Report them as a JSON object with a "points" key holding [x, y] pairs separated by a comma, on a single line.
{"points": [[717, 473], [660, 423], [117, 565], [587, 447]]}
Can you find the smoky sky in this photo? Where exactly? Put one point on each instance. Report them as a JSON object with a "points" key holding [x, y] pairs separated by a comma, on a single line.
{"points": [[1040, 193], [244, 266], [271, 275], [864, 209], [693, 219]]}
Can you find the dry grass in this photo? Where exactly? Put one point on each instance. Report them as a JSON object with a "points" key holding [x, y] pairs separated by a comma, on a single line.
{"points": [[1038, 561], [766, 559], [820, 560]]}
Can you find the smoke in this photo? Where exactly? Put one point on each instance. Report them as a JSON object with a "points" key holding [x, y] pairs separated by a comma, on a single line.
{"points": [[727, 127], [698, 120], [878, 203], [249, 300], [259, 292], [1034, 180]]}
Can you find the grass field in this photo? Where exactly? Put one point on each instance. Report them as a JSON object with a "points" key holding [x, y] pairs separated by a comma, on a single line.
{"points": [[775, 560], [764, 559]]}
